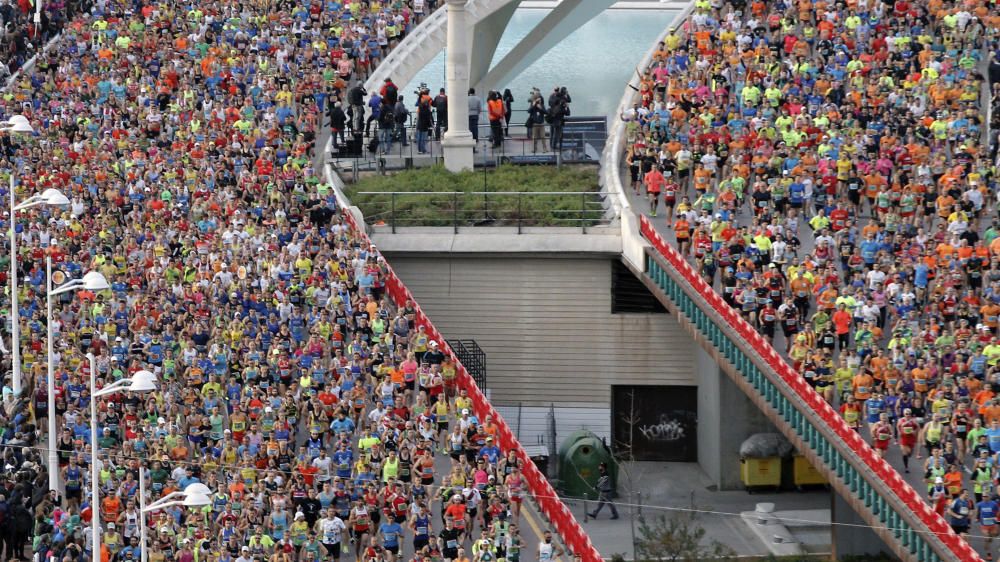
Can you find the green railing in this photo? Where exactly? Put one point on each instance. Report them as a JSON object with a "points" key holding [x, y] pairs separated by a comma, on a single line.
{"points": [[911, 539]]}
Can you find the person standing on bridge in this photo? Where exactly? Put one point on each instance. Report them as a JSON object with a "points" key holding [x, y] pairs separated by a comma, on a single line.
{"points": [[440, 105], [375, 104], [536, 122], [475, 108], [508, 110], [604, 490], [494, 106], [356, 107], [338, 123], [558, 112], [424, 121], [401, 115]]}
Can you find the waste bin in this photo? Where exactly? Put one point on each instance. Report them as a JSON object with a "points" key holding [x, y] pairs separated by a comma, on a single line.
{"points": [[804, 474], [762, 472], [579, 458]]}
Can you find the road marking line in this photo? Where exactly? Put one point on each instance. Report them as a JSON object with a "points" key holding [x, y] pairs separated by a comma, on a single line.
{"points": [[531, 522], [537, 528]]}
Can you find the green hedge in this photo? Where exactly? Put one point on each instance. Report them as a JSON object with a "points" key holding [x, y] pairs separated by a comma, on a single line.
{"points": [[472, 207]]}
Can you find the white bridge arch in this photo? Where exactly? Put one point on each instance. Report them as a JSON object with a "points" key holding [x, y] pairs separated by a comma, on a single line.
{"points": [[488, 20]]}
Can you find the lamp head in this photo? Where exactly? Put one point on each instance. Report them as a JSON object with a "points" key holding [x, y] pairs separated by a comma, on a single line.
{"points": [[198, 488], [54, 197], [17, 124], [197, 500], [95, 281], [142, 381]]}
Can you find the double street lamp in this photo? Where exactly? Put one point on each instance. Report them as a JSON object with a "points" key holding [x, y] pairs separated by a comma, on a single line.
{"points": [[195, 495], [92, 281], [49, 197], [141, 381], [16, 124]]}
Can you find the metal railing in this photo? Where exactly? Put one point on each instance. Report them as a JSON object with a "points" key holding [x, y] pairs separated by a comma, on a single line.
{"points": [[473, 357], [578, 209], [518, 147]]}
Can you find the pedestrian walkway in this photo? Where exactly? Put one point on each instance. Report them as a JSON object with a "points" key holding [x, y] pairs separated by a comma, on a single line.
{"points": [[676, 489]]}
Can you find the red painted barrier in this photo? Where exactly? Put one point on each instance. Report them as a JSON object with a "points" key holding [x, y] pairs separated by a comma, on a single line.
{"points": [[560, 518], [907, 495]]}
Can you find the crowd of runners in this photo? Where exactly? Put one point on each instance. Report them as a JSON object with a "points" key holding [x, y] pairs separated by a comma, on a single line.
{"points": [[327, 425], [19, 37], [823, 164]]}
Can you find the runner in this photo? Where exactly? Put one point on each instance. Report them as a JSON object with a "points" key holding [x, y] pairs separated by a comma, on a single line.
{"points": [[877, 136]]}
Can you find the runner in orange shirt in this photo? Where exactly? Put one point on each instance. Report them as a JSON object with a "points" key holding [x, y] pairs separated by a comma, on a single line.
{"points": [[654, 181], [682, 230]]}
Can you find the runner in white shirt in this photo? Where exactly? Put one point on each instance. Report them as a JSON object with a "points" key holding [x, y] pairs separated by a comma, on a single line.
{"points": [[325, 465], [547, 550], [331, 531]]}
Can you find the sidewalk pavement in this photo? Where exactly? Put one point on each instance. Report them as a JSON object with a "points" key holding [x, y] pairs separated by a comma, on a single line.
{"points": [[679, 486]]}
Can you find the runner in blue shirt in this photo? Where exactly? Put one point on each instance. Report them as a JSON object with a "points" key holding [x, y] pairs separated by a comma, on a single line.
{"points": [[390, 531], [987, 511], [959, 513]]}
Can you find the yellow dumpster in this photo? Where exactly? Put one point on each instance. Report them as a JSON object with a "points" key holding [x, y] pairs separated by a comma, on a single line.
{"points": [[804, 474], [761, 472]]}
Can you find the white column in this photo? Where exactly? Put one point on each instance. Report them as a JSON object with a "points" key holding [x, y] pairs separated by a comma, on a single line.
{"points": [[457, 142], [142, 513], [15, 320], [95, 502], [53, 456]]}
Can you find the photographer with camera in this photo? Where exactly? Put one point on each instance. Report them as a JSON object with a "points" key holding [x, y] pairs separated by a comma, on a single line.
{"points": [[559, 101], [356, 106]]}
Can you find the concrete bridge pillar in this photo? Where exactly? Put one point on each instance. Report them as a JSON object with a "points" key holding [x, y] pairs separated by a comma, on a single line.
{"points": [[457, 142]]}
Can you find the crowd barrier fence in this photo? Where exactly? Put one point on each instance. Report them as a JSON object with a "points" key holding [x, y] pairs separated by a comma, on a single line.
{"points": [[559, 516]]}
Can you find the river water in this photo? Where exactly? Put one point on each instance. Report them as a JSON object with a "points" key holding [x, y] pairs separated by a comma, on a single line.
{"points": [[594, 62]]}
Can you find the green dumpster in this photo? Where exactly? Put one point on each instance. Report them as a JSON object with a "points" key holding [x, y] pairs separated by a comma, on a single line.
{"points": [[580, 455]]}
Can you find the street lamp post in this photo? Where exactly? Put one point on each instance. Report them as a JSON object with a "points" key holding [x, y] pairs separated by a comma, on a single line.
{"points": [[92, 281], [141, 381], [16, 124], [195, 495]]}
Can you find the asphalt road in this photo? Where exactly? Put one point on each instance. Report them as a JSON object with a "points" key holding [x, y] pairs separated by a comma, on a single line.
{"points": [[532, 523]]}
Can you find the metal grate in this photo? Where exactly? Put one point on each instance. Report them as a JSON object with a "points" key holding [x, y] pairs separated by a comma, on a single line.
{"points": [[629, 295], [474, 359]]}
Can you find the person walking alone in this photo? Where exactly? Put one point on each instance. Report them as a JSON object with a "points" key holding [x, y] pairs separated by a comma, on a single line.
{"points": [[604, 490], [475, 108]]}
